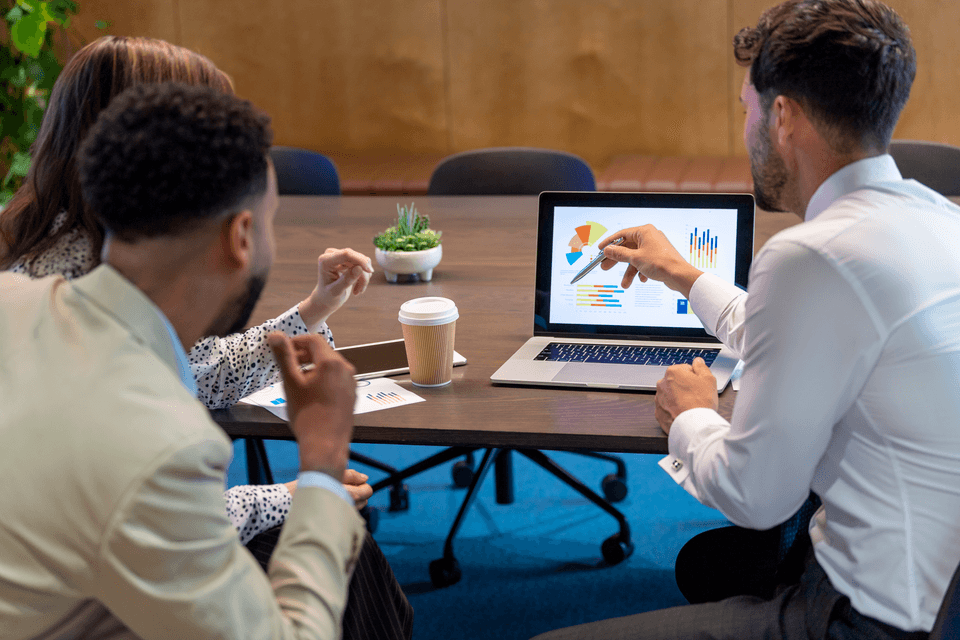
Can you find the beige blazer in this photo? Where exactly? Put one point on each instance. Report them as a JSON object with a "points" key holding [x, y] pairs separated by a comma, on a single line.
{"points": [[112, 516]]}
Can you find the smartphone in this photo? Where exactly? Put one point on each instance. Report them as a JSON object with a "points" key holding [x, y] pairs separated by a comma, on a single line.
{"points": [[378, 359]]}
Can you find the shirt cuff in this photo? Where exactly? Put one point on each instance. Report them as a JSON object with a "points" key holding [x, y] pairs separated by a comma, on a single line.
{"points": [[682, 432], [674, 468], [323, 481], [709, 296]]}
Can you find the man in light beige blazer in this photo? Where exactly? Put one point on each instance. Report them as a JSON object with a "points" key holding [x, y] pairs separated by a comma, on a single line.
{"points": [[112, 517]]}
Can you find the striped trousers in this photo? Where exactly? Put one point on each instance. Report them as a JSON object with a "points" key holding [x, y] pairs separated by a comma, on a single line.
{"points": [[377, 608]]}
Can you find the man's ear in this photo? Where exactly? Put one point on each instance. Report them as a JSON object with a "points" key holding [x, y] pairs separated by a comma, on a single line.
{"points": [[237, 239], [784, 112]]}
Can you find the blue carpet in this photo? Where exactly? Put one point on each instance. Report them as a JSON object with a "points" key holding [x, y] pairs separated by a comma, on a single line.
{"points": [[533, 565]]}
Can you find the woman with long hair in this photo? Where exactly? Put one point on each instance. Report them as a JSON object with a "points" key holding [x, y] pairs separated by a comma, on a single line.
{"points": [[46, 229]]}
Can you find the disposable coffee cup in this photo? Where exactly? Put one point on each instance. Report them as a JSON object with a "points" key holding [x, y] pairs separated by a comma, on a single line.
{"points": [[429, 327]]}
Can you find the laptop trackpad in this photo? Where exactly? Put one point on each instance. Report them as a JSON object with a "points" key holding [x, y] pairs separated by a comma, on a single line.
{"points": [[624, 375]]}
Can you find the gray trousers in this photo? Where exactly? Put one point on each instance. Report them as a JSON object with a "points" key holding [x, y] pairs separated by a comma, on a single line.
{"points": [[809, 610]]}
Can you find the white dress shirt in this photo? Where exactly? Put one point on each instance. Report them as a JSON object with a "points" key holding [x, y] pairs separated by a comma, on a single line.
{"points": [[851, 387]]}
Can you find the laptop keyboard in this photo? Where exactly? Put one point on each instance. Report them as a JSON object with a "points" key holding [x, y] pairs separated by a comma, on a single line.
{"points": [[625, 354]]}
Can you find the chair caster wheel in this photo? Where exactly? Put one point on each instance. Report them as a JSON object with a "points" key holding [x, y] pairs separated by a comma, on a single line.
{"points": [[614, 488], [614, 550], [444, 572], [399, 497], [372, 518], [462, 474]]}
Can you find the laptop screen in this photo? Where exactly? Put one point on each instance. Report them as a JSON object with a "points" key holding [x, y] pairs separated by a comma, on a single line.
{"points": [[714, 232]]}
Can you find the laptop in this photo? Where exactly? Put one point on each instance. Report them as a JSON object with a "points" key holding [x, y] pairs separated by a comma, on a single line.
{"points": [[596, 334]]}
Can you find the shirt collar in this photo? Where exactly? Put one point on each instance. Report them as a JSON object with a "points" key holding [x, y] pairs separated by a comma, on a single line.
{"points": [[108, 289], [850, 178], [183, 364]]}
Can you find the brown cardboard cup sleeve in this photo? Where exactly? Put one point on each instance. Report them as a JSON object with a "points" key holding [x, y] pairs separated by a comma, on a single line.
{"points": [[429, 328]]}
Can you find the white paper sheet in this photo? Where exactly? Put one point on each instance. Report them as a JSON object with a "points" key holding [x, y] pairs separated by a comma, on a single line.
{"points": [[372, 395]]}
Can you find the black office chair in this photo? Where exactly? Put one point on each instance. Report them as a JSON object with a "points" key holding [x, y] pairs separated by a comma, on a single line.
{"points": [[934, 164], [508, 171], [304, 173], [513, 171], [947, 625]]}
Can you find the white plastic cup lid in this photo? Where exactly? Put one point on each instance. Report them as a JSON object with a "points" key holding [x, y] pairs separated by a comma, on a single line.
{"points": [[427, 312]]}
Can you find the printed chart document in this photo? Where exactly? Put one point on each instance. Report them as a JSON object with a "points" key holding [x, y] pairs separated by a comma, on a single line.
{"points": [[372, 395]]}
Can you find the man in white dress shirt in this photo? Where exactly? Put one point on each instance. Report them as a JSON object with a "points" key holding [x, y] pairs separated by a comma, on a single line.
{"points": [[850, 335], [112, 471]]}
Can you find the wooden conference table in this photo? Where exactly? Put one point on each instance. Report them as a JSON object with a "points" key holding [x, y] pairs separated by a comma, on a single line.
{"points": [[488, 270]]}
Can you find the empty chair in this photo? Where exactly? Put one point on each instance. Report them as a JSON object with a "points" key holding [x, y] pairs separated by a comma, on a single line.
{"points": [[934, 164], [304, 173], [506, 171]]}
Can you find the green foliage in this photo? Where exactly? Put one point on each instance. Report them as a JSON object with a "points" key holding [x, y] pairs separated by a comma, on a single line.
{"points": [[28, 69], [412, 233]]}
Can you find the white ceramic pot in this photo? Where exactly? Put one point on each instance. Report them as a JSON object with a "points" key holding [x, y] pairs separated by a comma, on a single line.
{"points": [[421, 263]]}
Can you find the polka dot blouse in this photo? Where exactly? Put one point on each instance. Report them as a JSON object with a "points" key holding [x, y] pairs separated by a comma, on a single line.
{"points": [[226, 369]]}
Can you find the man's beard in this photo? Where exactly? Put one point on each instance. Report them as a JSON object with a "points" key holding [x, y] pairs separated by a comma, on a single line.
{"points": [[768, 170], [234, 319]]}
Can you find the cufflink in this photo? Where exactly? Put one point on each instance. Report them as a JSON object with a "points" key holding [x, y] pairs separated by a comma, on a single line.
{"points": [[677, 465]]}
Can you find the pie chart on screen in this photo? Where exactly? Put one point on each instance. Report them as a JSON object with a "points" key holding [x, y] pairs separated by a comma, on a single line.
{"points": [[586, 235]]}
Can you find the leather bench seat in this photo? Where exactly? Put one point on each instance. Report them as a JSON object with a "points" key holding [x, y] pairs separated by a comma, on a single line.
{"points": [[409, 174], [385, 174], [676, 173]]}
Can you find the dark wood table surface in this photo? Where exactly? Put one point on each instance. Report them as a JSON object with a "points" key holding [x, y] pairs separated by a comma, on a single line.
{"points": [[488, 270]]}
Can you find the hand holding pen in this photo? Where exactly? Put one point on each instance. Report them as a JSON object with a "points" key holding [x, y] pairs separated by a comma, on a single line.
{"points": [[648, 254]]}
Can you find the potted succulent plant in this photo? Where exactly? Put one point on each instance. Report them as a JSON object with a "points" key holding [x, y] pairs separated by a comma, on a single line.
{"points": [[410, 247]]}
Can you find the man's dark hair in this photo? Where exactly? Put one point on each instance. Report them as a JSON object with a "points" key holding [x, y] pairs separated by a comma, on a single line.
{"points": [[849, 63], [162, 158]]}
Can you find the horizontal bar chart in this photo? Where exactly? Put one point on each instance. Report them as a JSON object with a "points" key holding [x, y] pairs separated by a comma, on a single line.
{"points": [[599, 295]]}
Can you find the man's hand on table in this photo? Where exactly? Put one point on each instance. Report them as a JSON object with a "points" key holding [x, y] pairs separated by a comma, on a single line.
{"points": [[319, 400], [353, 481], [340, 274], [649, 255], [685, 387]]}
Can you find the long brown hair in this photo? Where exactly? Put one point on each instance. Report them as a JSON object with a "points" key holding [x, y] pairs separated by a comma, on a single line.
{"points": [[92, 77]]}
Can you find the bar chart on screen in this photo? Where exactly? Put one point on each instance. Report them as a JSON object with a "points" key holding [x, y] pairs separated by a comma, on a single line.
{"points": [[599, 295], [703, 248]]}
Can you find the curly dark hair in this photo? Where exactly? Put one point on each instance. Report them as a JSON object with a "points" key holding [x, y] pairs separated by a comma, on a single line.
{"points": [[162, 158], [849, 63]]}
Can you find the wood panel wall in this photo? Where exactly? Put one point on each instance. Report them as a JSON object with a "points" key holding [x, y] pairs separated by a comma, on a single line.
{"points": [[595, 78]]}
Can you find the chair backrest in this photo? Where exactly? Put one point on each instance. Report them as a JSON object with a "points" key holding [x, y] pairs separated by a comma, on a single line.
{"points": [[304, 173], [510, 171], [947, 624], [934, 164]]}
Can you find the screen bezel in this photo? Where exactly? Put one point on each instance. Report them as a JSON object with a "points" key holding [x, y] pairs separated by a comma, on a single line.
{"points": [[549, 200]]}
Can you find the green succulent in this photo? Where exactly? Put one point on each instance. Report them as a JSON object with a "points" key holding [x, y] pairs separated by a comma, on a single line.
{"points": [[412, 232]]}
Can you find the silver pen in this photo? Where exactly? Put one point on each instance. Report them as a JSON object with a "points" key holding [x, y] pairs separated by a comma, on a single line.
{"points": [[593, 263]]}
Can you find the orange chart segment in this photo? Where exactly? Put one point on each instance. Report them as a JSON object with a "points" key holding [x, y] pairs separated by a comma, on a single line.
{"points": [[583, 232]]}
